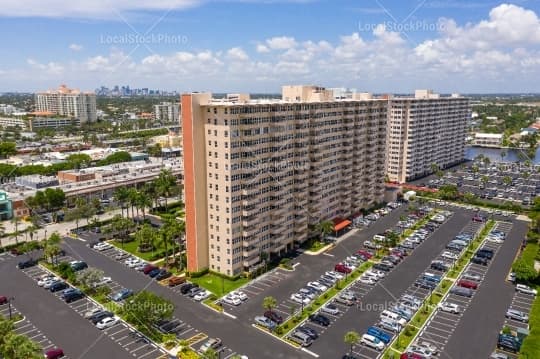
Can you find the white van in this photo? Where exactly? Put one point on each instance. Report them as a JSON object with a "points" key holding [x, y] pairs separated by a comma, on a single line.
{"points": [[379, 238], [301, 338], [389, 316]]}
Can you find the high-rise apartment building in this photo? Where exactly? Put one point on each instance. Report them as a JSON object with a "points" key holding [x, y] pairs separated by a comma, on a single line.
{"points": [[425, 131], [68, 102], [167, 111], [258, 173]]}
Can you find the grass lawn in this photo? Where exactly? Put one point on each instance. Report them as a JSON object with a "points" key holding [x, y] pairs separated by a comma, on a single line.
{"points": [[217, 284], [316, 245], [132, 246]]}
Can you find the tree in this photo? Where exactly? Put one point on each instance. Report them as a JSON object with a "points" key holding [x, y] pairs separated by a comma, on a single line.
{"points": [[90, 277], [507, 180], [434, 167], [16, 220], [20, 347], [143, 201], [55, 198], [174, 230], [147, 309], [79, 160], [324, 228], [121, 195], [351, 338], [524, 270], [133, 196], [52, 251], [484, 179], [210, 354], [146, 236], [165, 184], [6, 327], [76, 214], [469, 197], [269, 303], [117, 157], [7, 149], [448, 192]]}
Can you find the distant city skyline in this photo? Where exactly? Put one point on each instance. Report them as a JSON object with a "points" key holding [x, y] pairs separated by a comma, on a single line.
{"points": [[380, 46]]}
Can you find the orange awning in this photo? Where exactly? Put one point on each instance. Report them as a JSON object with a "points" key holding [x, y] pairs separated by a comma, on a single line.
{"points": [[341, 225]]}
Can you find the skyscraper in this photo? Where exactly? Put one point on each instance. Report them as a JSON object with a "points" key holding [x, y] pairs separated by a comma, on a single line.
{"points": [[258, 173], [68, 102]]}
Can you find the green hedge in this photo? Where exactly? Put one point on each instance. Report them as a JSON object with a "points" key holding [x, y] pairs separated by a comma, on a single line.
{"points": [[531, 345]]}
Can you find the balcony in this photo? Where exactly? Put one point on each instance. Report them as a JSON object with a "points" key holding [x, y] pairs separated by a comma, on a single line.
{"points": [[248, 232], [279, 248], [277, 229], [250, 261], [278, 212], [249, 211], [250, 252], [249, 221]]}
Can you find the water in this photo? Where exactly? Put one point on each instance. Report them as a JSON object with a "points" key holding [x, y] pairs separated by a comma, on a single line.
{"points": [[494, 154]]}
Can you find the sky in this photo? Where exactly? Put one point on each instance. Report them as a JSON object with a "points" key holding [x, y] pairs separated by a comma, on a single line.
{"points": [[380, 46]]}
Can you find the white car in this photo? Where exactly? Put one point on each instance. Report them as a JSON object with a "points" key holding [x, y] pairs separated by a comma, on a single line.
{"points": [[139, 267], [333, 274], [300, 299], [107, 322], [377, 272], [449, 255], [318, 286], [450, 308], [102, 246], [103, 281], [46, 278], [240, 294], [495, 239], [366, 280], [202, 295], [132, 262], [232, 299], [330, 309], [525, 289], [372, 342]]}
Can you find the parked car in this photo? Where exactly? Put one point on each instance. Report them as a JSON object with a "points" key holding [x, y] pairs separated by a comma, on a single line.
{"points": [[471, 276], [121, 295], [380, 334], [517, 315], [194, 291], [107, 322], [313, 334], [346, 298], [212, 343], [464, 292], [78, 265], [319, 319], [479, 260], [103, 281], [243, 297], [27, 263], [91, 312], [231, 300], [3, 299], [57, 286], [148, 268], [298, 298], [341, 268], [163, 274], [202, 295], [525, 289], [372, 342], [330, 309], [467, 284], [54, 353], [73, 296], [273, 316], [449, 308], [185, 288], [153, 273], [99, 316], [176, 280], [265, 322], [301, 338]]}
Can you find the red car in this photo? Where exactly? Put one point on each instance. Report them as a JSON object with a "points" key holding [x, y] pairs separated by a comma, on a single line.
{"points": [[54, 353], [3, 299], [468, 284], [478, 218], [341, 268], [411, 356], [365, 253], [148, 268], [399, 254]]}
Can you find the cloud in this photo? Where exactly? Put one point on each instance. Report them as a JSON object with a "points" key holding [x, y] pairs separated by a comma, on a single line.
{"points": [[75, 47], [236, 53], [498, 53], [281, 43]]}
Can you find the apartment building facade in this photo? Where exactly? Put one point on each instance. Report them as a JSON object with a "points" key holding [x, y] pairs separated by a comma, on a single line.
{"points": [[259, 173], [68, 102], [167, 111], [425, 131]]}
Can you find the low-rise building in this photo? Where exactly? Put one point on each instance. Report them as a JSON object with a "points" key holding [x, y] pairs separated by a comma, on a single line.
{"points": [[488, 139]]}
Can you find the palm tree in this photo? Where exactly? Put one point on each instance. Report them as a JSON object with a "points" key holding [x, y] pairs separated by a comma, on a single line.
{"points": [[121, 195], [324, 228], [133, 195], [20, 347], [434, 167], [150, 190], [503, 155], [144, 201], [52, 252], [174, 230], [269, 303], [165, 184], [352, 338], [507, 180]]}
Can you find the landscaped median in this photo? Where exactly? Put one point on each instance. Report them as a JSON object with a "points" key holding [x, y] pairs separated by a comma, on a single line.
{"points": [[411, 330], [297, 318], [470, 250]]}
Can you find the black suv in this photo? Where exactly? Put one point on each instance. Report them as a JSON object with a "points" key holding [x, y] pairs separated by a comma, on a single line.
{"points": [[440, 266], [382, 266], [185, 288], [73, 296], [479, 260], [27, 264], [312, 333], [319, 319], [273, 316], [485, 253]]}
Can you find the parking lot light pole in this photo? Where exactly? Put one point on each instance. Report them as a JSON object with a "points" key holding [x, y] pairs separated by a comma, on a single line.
{"points": [[9, 306]]}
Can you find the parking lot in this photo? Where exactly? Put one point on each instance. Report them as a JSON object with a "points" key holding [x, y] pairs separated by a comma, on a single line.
{"points": [[439, 329], [129, 339], [500, 182], [25, 327], [5, 256]]}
